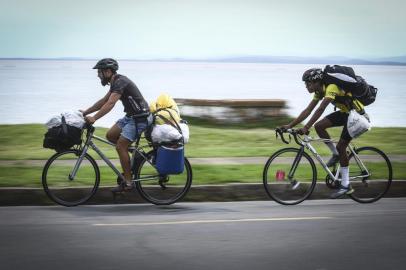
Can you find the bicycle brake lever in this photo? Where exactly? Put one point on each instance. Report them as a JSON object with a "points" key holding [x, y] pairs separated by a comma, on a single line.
{"points": [[284, 140], [279, 132]]}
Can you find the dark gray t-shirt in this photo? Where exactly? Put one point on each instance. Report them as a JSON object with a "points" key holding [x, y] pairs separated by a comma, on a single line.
{"points": [[126, 88]]}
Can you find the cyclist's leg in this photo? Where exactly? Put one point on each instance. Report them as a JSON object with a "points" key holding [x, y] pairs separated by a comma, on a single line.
{"points": [[330, 120], [124, 134], [342, 150], [122, 150], [321, 127], [129, 133], [113, 133], [342, 145]]}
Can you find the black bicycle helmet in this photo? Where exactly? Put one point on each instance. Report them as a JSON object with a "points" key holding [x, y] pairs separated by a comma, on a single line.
{"points": [[106, 63], [312, 74]]}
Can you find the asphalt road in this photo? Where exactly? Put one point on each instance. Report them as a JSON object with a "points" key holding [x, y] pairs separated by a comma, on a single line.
{"points": [[325, 234]]}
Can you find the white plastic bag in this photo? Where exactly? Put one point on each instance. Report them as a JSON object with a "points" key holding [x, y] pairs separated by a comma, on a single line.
{"points": [[72, 118], [54, 121], [357, 124], [167, 133]]}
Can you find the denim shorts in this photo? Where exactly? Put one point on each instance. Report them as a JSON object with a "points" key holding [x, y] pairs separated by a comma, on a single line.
{"points": [[130, 129]]}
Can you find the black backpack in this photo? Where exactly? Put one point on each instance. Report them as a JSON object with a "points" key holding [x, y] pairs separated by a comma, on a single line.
{"points": [[62, 137], [345, 78]]}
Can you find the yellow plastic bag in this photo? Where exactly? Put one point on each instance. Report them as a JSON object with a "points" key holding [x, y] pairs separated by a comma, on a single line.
{"points": [[165, 109]]}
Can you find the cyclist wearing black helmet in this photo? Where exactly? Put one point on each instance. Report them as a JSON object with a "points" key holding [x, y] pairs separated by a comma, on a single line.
{"points": [[327, 94], [126, 129]]}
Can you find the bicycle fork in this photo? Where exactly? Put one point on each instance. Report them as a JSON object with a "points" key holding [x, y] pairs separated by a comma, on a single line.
{"points": [[78, 162], [295, 164]]}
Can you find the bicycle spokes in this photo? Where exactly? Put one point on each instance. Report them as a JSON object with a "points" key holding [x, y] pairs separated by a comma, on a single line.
{"points": [[372, 177], [295, 186]]}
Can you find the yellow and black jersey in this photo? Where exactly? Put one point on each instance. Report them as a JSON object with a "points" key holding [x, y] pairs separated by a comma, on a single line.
{"points": [[341, 99]]}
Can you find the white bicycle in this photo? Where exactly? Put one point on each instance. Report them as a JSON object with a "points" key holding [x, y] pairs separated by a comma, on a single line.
{"points": [[290, 174]]}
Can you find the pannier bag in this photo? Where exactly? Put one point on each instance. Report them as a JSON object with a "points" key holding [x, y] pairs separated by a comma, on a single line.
{"points": [[62, 137], [170, 160], [345, 78]]}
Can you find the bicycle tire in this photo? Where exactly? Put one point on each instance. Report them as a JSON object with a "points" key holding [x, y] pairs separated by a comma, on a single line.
{"points": [[57, 185], [282, 191], [152, 191], [369, 189]]}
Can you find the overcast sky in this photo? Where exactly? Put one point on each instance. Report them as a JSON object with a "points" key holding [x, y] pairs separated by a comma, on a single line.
{"points": [[201, 28]]}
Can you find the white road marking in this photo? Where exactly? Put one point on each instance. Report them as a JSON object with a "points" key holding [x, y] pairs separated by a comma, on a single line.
{"points": [[210, 221]]}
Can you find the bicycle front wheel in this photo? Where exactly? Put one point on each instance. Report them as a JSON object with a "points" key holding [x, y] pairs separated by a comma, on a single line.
{"points": [[371, 174], [161, 189], [287, 179], [64, 189]]}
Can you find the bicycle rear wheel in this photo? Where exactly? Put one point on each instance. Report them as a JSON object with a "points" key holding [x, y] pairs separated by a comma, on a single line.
{"points": [[58, 184], [370, 185], [161, 189], [284, 183]]}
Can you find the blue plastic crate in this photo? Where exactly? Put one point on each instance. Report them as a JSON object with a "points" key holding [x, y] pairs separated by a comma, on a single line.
{"points": [[170, 160]]}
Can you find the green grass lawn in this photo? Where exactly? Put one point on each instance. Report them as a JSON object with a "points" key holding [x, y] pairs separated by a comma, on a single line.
{"points": [[30, 176], [25, 142], [22, 142]]}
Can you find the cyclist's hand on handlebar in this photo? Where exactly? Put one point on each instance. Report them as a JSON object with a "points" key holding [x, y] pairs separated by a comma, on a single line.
{"points": [[90, 119], [303, 131]]}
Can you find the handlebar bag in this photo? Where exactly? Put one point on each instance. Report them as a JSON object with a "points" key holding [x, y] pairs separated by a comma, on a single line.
{"points": [[62, 137]]}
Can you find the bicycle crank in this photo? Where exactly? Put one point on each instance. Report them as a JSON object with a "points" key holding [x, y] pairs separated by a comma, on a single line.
{"points": [[331, 183]]}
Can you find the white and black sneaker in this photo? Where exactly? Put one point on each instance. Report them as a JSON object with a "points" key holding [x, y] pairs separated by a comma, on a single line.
{"points": [[342, 191]]}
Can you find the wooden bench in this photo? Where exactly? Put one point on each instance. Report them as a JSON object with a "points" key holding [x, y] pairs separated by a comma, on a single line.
{"points": [[232, 110]]}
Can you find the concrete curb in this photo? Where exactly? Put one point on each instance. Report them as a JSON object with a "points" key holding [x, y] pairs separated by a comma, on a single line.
{"points": [[203, 193]]}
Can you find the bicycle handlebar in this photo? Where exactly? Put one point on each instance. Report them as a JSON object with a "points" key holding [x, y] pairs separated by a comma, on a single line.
{"points": [[281, 131]]}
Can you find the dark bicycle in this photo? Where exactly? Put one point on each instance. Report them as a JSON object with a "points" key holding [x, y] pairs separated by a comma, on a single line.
{"points": [[72, 177]]}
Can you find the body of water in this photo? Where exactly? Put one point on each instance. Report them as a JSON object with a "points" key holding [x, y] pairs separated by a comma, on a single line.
{"points": [[31, 91]]}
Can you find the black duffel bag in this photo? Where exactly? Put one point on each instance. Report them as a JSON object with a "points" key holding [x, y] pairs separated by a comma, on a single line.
{"points": [[62, 137]]}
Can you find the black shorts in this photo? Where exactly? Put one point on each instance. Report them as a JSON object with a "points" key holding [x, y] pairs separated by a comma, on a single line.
{"points": [[338, 119]]}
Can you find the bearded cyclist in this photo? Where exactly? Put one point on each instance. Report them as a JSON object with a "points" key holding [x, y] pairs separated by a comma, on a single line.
{"points": [[342, 100], [126, 129]]}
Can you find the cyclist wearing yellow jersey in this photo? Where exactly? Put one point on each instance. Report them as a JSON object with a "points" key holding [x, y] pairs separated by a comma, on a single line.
{"points": [[327, 94]]}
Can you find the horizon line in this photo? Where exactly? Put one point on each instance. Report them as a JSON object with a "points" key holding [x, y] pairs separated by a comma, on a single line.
{"points": [[243, 59]]}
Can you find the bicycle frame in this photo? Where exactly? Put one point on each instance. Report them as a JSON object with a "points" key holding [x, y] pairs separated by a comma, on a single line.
{"points": [[89, 143], [306, 143]]}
